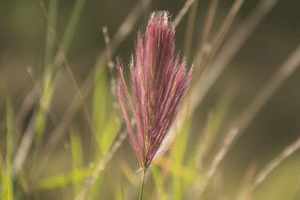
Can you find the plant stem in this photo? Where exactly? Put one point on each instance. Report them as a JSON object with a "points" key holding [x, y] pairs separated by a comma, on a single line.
{"points": [[142, 186]]}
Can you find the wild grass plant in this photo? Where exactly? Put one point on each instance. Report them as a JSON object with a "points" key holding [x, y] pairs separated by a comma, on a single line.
{"points": [[57, 144]]}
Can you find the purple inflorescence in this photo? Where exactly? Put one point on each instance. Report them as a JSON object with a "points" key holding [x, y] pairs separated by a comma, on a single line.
{"points": [[159, 83]]}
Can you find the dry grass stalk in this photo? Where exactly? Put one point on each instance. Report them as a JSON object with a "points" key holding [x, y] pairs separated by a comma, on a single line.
{"points": [[259, 100], [260, 177]]}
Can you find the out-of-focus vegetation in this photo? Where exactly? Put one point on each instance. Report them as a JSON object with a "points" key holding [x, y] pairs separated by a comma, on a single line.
{"points": [[62, 133]]}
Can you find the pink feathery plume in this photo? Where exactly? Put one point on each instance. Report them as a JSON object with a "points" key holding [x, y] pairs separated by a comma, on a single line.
{"points": [[159, 83]]}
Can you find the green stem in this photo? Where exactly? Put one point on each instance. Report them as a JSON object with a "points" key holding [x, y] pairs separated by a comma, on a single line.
{"points": [[142, 186]]}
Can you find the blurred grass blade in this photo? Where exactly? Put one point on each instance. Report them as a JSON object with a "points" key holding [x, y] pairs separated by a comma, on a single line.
{"points": [[282, 184], [218, 38], [95, 190], [106, 130], [185, 173], [77, 155], [72, 25], [179, 147], [76, 148], [118, 191], [62, 180], [7, 174], [99, 119], [260, 177], [109, 133], [215, 121], [45, 102], [211, 13], [158, 180], [22, 186], [108, 136], [100, 102], [190, 32], [210, 16], [2, 174], [24, 146], [50, 35], [49, 74], [200, 63], [182, 12], [130, 175], [201, 149], [243, 192], [259, 100], [47, 90], [178, 153]]}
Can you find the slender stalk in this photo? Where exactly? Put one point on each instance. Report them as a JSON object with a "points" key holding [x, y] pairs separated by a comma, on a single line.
{"points": [[260, 177], [142, 185]]}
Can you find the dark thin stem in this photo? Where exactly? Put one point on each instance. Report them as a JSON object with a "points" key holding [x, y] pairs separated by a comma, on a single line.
{"points": [[142, 185]]}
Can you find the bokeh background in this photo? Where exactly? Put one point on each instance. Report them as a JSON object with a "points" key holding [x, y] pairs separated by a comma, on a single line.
{"points": [[23, 26]]}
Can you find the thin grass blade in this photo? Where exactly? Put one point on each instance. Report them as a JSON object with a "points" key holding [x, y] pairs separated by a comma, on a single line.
{"points": [[47, 91], [77, 157], [100, 102], [109, 133], [62, 180], [50, 35], [7, 176], [158, 180], [72, 25], [178, 153]]}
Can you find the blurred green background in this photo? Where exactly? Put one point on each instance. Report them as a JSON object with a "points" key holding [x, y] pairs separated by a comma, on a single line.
{"points": [[23, 28]]}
